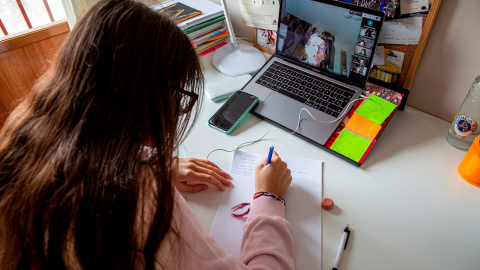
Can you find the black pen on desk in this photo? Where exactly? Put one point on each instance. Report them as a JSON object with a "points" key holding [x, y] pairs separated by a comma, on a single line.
{"points": [[343, 245], [269, 158]]}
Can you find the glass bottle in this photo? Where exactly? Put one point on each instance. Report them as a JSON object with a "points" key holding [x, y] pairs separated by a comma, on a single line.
{"points": [[464, 128]]}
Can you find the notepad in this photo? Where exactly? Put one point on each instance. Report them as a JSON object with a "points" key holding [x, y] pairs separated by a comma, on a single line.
{"points": [[303, 210], [363, 126], [351, 145], [396, 59], [376, 109]]}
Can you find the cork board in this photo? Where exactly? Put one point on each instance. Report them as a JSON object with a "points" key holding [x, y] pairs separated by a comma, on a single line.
{"points": [[413, 53]]}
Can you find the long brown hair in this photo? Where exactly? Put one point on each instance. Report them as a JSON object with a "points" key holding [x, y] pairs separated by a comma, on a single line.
{"points": [[70, 152]]}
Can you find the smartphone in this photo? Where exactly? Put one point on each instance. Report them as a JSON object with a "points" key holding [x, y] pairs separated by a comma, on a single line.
{"points": [[233, 111]]}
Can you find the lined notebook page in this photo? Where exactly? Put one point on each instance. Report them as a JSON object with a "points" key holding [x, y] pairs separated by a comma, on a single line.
{"points": [[304, 210]]}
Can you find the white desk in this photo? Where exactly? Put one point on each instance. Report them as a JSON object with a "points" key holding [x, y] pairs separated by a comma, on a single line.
{"points": [[407, 206]]}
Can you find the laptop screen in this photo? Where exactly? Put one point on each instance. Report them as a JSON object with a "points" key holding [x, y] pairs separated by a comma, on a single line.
{"points": [[335, 39]]}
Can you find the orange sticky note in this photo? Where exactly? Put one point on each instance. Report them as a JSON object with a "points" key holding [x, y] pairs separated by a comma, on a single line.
{"points": [[363, 126]]}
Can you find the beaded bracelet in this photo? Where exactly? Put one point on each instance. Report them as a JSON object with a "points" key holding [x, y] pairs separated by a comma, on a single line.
{"points": [[255, 196], [269, 194]]}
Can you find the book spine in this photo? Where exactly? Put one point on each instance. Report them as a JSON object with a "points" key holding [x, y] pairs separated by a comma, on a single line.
{"points": [[187, 25], [204, 24], [209, 35], [212, 49], [204, 30], [210, 45]]}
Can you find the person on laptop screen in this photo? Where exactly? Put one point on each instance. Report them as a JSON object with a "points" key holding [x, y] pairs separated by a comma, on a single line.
{"points": [[326, 38], [316, 51]]}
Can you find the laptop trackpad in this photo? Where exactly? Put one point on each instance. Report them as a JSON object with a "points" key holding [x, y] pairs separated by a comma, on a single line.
{"points": [[285, 111]]}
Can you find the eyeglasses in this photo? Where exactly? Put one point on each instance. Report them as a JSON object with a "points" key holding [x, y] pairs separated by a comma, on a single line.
{"points": [[188, 100], [322, 48]]}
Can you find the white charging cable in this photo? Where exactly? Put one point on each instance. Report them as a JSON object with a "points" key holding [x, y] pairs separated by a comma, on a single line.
{"points": [[298, 125]]}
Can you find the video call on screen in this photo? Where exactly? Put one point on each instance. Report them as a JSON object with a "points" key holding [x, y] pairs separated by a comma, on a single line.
{"points": [[333, 39]]}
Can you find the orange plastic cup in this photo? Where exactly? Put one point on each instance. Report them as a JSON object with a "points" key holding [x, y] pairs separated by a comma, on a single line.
{"points": [[469, 168]]}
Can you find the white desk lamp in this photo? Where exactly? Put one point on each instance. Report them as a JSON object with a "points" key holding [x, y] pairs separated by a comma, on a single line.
{"points": [[236, 59]]}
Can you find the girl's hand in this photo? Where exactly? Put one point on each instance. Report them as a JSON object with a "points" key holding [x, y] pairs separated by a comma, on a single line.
{"points": [[193, 174], [274, 177]]}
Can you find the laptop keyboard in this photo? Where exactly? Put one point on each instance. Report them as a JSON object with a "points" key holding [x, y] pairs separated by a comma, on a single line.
{"points": [[305, 88]]}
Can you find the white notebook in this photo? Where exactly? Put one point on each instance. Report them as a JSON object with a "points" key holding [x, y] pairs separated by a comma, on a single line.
{"points": [[303, 199]]}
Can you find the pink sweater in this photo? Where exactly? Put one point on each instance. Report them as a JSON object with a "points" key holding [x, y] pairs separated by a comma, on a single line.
{"points": [[267, 242]]}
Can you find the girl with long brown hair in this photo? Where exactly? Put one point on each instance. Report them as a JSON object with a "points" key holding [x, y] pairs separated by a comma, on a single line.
{"points": [[88, 173]]}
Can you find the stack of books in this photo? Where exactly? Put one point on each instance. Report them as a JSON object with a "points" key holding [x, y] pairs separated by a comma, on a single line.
{"points": [[203, 21]]}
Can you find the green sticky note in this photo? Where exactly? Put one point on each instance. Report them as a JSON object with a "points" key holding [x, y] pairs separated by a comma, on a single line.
{"points": [[376, 109], [351, 145]]}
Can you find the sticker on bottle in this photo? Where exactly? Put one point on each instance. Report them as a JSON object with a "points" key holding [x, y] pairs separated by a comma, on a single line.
{"points": [[465, 126]]}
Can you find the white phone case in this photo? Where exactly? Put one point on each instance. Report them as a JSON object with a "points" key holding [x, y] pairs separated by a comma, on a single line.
{"points": [[226, 88]]}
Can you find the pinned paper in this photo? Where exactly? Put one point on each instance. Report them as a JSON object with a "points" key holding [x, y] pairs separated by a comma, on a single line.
{"points": [[376, 109], [363, 126], [393, 61], [405, 31], [395, 58], [260, 14], [378, 56], [413, 6], [351, 145]]}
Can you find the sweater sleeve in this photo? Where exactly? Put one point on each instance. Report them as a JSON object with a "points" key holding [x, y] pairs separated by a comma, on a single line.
{"points": [[267, 242]]}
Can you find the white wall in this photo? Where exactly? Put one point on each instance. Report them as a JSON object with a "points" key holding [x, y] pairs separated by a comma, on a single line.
{"points": [[450, 61]]}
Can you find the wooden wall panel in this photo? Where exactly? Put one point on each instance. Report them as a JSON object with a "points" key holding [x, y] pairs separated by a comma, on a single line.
{"points": [[25, 61]]}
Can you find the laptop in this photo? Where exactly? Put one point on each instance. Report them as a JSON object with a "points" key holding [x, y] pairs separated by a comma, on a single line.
{"points": [[321, 63]]}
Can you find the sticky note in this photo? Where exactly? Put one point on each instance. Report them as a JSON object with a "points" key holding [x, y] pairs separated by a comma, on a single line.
{"points": [[388, 78], [376, 109], [363, 126], [379, 75], [351, 145]]}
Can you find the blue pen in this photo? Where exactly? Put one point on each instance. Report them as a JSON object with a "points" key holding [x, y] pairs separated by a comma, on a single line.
{"points": [[269, 159]]}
